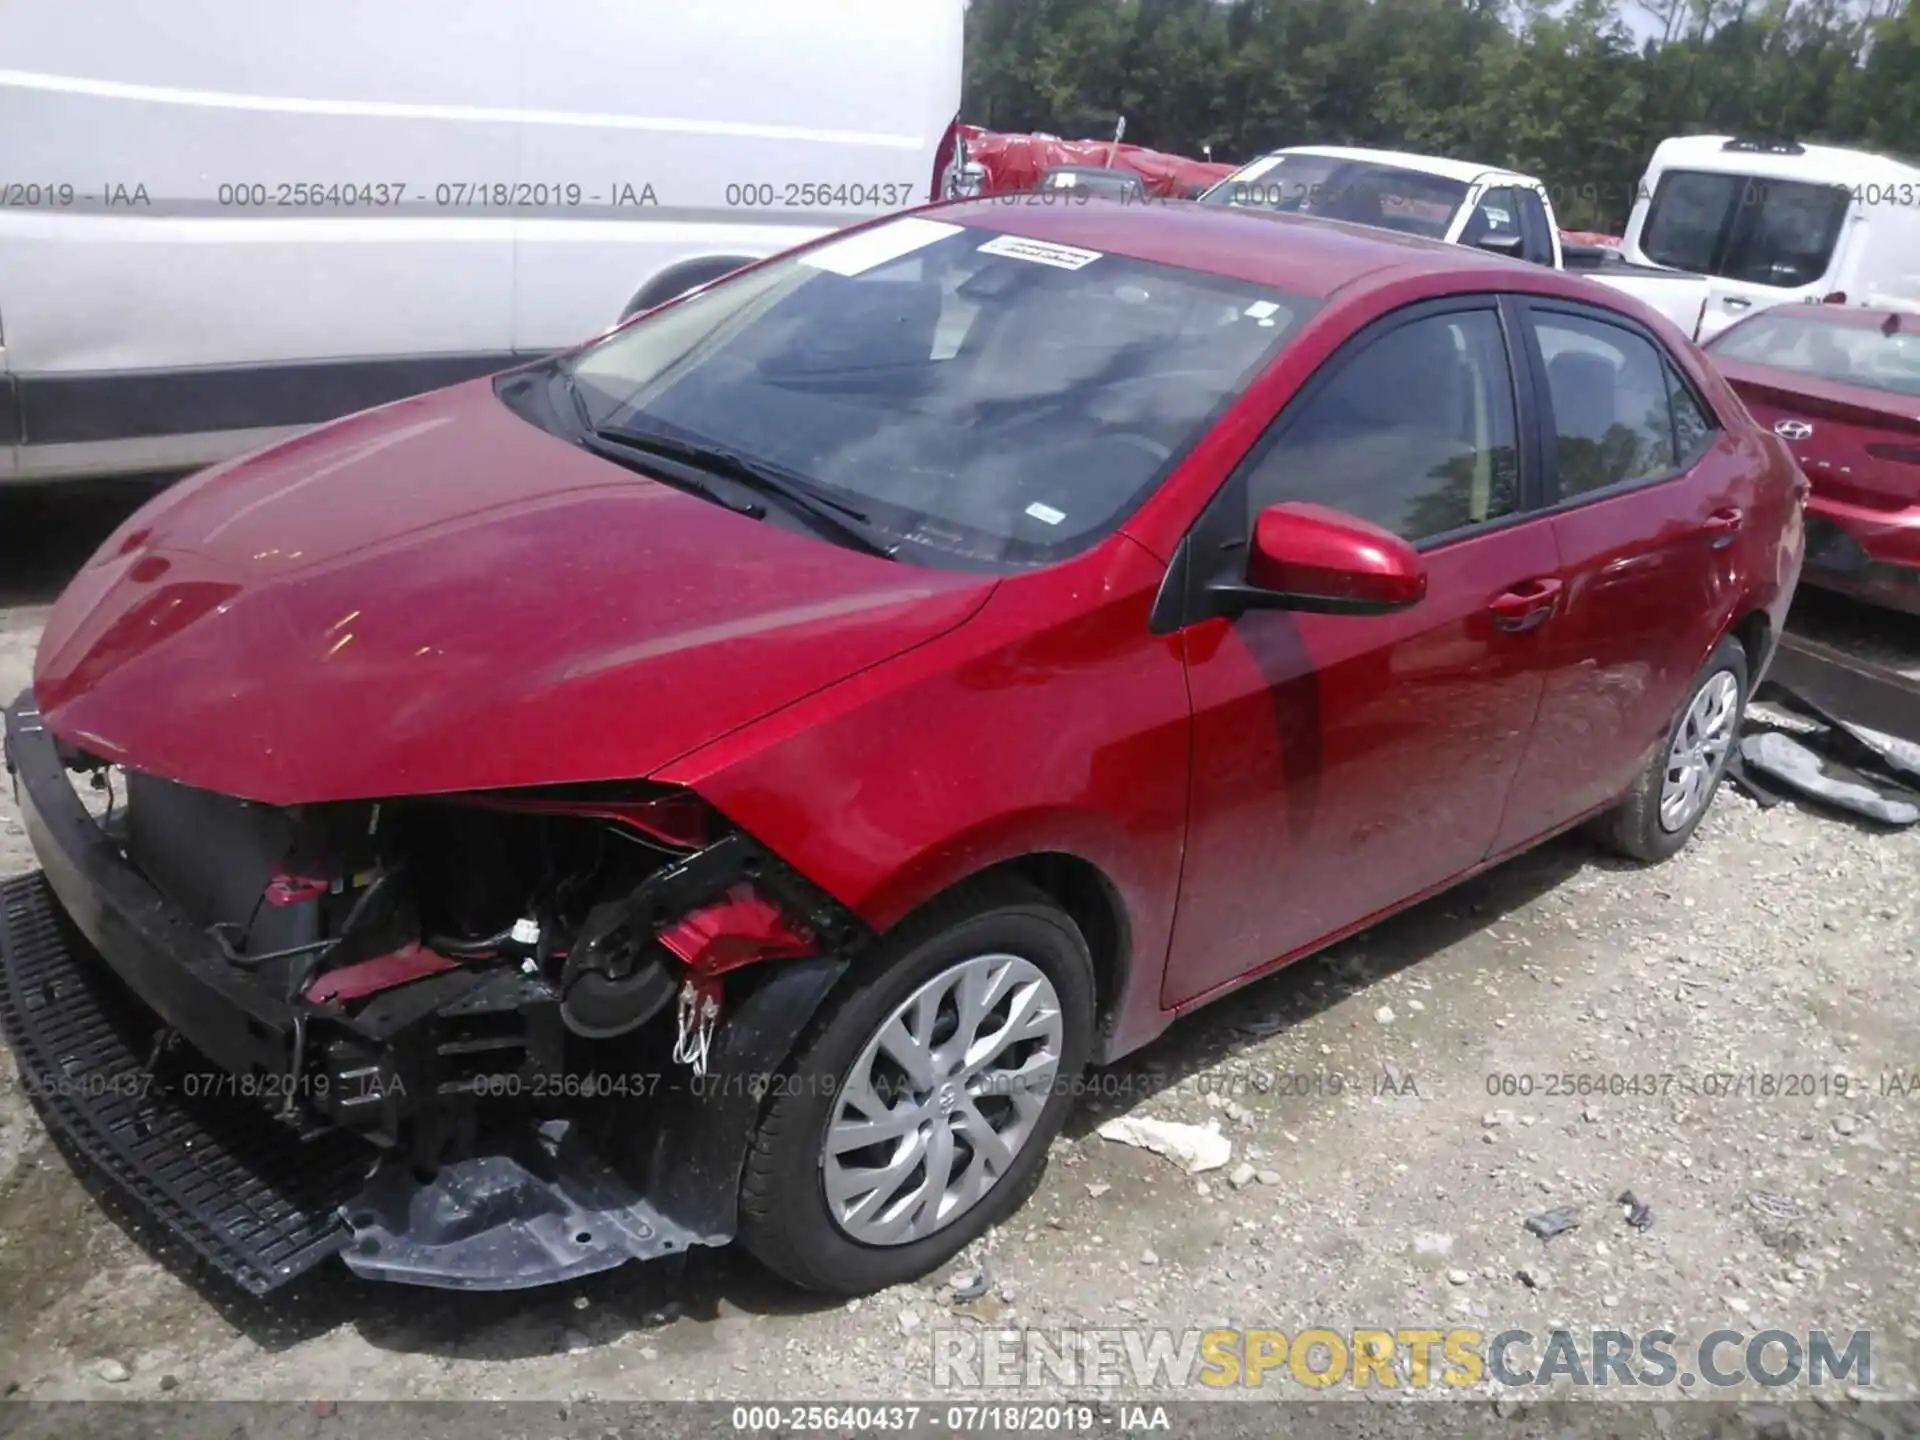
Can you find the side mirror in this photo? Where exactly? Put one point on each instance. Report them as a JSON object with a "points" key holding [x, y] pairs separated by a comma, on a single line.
{"points": [[1308, 557], [1499, 243]]}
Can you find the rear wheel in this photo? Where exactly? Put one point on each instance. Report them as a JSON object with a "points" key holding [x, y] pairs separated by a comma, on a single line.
{"points": [[1674, 792], [920, 1107]]}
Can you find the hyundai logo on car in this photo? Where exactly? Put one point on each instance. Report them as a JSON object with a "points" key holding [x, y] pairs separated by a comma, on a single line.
{"points": [[1793, 430]]}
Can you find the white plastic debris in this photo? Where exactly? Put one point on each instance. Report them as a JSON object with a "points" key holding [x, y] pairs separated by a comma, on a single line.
{"points": [[1193, 1148]]}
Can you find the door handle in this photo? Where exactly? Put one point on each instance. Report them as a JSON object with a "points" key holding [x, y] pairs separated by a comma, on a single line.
{"points": [[1723, 525], [1736, 302], [1526, 606]]}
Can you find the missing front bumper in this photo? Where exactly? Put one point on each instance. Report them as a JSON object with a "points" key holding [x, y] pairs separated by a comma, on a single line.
{"points": [[262, 1204], [242, 1191], [97, 967]]}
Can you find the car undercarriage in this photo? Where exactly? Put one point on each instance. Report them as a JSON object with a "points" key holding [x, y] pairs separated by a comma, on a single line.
{"points": [[479, 1041]]}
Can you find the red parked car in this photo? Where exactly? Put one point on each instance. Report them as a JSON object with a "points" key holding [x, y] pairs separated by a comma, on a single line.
{"points": [[1841, 385], [732, 778]]}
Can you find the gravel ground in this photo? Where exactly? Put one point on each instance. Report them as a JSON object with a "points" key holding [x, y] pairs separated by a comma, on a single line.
{"points": [[1780, 943]]}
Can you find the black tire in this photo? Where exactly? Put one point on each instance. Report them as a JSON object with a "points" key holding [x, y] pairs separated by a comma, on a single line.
{"points": [[785, 1220], [1634, 827]]}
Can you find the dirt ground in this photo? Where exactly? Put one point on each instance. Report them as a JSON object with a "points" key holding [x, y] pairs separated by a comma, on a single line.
{"points": [[1782, 943]]}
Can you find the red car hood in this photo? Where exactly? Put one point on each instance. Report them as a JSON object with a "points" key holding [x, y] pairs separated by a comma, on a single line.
{"points": [[439, 596]]}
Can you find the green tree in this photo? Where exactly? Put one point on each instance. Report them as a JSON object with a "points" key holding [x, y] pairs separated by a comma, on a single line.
{"points": [[1556, 89]]}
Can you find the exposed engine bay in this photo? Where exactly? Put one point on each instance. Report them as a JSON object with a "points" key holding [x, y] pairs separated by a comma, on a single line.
{"points": [[435, 955], [549, 1014]]}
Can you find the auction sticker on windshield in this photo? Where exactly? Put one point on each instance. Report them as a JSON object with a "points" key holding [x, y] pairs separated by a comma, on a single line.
{"points": [[860, 252], [1040, 252]]}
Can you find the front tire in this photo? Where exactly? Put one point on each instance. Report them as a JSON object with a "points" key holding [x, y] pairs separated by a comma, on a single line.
{"points": [[1676, 790], [920, 1106]]}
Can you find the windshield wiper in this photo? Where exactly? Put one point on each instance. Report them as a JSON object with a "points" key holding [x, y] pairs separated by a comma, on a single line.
{"points": [[628, 454], [609, 446], [770, 479]]}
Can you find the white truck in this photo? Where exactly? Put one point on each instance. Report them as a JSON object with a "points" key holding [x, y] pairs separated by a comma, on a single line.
{"points": [[1763, 223], [218, 228], [1721, 226]]}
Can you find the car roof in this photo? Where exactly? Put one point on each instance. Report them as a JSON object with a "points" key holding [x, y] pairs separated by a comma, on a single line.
{"points": [[1298, 254], [1830, 163], [1465, 171]]}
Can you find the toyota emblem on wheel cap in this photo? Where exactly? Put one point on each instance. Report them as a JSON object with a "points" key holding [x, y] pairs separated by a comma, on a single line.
{"points": [[1793, 429]]}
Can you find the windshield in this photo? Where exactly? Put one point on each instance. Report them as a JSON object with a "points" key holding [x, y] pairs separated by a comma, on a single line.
{"points": [[1361, 191], [1744, 227], [983, 400], [1808, 345]]}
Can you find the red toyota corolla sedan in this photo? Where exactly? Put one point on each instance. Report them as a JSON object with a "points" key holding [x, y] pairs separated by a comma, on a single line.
{"points": [[1841, 385], [732, 778]]}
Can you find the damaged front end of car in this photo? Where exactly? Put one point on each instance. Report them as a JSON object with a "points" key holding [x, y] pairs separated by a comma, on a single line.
{"points": [[479, 1041]]}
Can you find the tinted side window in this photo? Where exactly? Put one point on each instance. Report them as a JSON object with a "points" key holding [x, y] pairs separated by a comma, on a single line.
{"points": [[1686, 219], [1611, 419], [1693, 430], [1784, 233], [1537, 235], [1498, 213], [1741, 227], [1414, 433]]}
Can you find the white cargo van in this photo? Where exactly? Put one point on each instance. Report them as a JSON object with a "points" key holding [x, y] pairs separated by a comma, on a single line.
{"points": [[224, 222], [1774, 223]]}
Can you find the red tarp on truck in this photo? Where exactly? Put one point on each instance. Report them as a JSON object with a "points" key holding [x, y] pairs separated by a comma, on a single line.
{"points": [[1016, 162]]}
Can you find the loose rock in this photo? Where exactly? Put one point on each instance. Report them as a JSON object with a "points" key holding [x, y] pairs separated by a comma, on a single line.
{"points": [[1549, 1223]]}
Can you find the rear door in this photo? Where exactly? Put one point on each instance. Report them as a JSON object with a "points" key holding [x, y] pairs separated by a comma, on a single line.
{"points": [[1649, 498], [1758, 239], [1343, 764]]}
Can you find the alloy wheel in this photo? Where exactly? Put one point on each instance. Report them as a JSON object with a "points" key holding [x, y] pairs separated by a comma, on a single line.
{"points": [[941, 1100], [1700, 747]]}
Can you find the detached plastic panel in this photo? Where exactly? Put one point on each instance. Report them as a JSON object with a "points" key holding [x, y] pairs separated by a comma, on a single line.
{"points": [[242, 1190]]}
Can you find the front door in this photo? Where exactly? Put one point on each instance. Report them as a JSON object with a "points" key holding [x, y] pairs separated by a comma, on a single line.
{"points": [[1343, 764]]}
